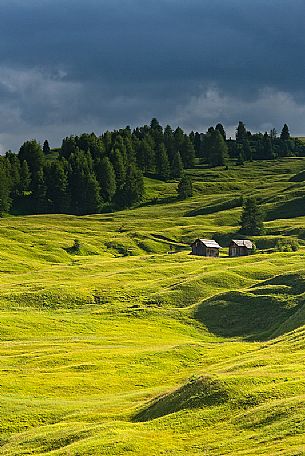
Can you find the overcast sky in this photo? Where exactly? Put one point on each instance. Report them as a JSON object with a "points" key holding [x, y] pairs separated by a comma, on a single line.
{"points": [[70, 66]]}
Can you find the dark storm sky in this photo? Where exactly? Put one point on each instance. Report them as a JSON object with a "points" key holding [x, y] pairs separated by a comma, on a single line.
{"points": [[70, 66]]}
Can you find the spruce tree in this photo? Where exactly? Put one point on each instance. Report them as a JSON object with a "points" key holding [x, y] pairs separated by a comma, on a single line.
{"points": [[39, 193], [5, 200], [285, 135], [25, 178], [57, 187], [89, 199], [217, 150], [221, 130], [169, 142], [13, 167], [252, 218], [197, 144], [133, 189], [241, 132], [119, 168], [163, 167], [32, 153], [187, 152], [176, 165], [268, 148], [146, 159], [106, 178], [185, 188], [46, 148]]}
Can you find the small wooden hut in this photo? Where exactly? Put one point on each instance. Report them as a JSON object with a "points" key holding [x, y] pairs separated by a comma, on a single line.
{"points": [[205, 247], [240, 247]]}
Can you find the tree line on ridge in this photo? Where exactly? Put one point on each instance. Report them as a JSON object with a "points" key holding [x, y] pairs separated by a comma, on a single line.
{"points": [[91, 173]]}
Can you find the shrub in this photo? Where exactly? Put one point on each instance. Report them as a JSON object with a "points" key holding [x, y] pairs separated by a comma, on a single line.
{"points": [[287, 245]]}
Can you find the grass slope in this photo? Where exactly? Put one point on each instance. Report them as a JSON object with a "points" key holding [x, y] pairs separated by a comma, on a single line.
{"points": [[124, 349]]}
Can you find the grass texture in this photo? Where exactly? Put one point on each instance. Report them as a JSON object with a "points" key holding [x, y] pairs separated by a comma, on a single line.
{"points": [[122, 348]]}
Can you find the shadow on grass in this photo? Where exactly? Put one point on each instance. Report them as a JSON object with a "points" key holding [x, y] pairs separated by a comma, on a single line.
{"points": [[262, 312], [211, 209]]}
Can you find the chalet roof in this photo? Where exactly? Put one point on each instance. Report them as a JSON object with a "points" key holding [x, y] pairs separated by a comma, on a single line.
{"points": [[243, 243], [210, 243]]}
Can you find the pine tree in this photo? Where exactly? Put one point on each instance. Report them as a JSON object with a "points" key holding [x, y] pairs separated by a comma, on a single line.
{"points": [[187, 152], [241, 132], [46, 148], [163, 168], [179, 138], [285, 135], [217, 150], [268, 148], [13, 167], [32, 153], [169, 142], [146, 159], [197, 144], [25, 178], [39, 193], [5, 200], [57, 187], [89, 200], [133, 189], [221, 130], [119, 168], [106, 178], [252, 218], [176, 165], [185, 188]]}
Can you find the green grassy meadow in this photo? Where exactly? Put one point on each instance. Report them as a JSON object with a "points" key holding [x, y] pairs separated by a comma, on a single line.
{"points": [[124, 348]]}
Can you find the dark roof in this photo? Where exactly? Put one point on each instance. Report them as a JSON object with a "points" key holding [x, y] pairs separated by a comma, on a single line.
{"points": [[243, 243], [208, 243]]}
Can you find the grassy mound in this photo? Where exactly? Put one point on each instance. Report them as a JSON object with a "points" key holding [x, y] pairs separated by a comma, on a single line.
{"points": [[196, 393], [260, 312]]}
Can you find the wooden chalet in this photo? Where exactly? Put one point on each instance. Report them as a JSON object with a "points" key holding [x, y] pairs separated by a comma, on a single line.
{"points": [[205, 247], [240, 247]]}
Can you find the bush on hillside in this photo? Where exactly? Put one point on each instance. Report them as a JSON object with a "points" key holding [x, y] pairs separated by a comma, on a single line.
{"points": [[287, 245]]}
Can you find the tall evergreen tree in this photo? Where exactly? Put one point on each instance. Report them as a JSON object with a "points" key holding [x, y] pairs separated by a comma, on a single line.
{"points": [[5, 200], [169, 142], [197, 144], [187, 152], [221, 130], [185, 187], [57, 187], [39, 193], [106, 178], [25, 178], [217, 149], [133, 189], [179, 138], [146, 158], [89, 199], [285, 135], [252, 218], [13, 167], [268, 148], [176, 165], [46, 148], [241, 132], [31, 152], [163, 167], [119, 168]]}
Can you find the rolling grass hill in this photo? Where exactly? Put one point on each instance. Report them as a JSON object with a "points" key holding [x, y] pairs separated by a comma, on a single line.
{"points": [[121, 348]]}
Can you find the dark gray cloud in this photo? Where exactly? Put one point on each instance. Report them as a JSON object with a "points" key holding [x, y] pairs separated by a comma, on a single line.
{"points": [[73, 65]]}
